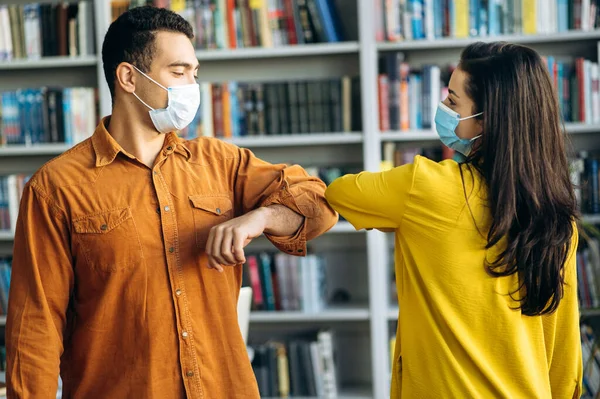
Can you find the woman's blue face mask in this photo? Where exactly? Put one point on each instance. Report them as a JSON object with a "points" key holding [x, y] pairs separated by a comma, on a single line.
{"points": [[446, 121]]}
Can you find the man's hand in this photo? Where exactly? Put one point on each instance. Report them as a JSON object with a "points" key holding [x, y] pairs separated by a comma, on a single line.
{"points": [[226, 242]]}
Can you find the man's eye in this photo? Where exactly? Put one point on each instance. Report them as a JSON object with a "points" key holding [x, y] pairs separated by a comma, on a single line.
{"points": [[178, 73]]}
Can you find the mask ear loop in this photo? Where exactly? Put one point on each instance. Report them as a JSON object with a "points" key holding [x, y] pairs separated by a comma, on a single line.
{"points": [[153, 81], [149, 78], [142, 101]]}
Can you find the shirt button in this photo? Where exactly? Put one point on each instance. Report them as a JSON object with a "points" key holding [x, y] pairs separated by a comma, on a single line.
{"points": [[167, 209], [171, 250], [155, 172], [184, 334], [178, 292], [169, 148], [190, 373], [219, 211], [103, 227]]}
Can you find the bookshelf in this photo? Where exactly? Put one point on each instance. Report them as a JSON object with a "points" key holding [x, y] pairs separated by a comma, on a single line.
{"points": [[366, 252]]}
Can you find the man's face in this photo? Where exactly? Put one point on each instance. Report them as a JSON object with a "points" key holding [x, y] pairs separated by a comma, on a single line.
{"points": [[174, 64]]}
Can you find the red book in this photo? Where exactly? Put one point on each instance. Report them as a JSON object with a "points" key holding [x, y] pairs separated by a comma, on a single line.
{"points": [[384, 113], [289, 22]]}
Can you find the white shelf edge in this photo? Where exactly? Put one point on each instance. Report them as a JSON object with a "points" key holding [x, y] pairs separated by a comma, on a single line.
{"points": [[296, 140], [392, 314], [6, 235], [592, 219], [456, 43], [38, 149], [345, 392], [589, 312], [429, 135], [330, 315], [50, 62], [3, 320], [278, 52]]}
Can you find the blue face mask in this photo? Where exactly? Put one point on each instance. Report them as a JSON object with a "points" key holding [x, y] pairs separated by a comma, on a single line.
{"points": [[446, 121]]}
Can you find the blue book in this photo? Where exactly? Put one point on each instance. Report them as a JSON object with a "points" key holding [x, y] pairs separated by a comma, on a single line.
{"points": [[67, 95], [235, 109], [267, 280], [417, 19], [560, 88], [438, 18], [493, 17], [328, 16], [483, 23], [563, 15], [474, 18]]}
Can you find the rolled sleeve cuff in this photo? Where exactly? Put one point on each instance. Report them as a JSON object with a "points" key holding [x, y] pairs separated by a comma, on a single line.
{"points": [[294, 244]]}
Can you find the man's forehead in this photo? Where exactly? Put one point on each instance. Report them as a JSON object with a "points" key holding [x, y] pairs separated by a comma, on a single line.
{"points": [[175, 48]]}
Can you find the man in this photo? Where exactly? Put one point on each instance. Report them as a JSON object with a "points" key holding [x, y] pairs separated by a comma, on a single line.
{"points": [[118, 274]]}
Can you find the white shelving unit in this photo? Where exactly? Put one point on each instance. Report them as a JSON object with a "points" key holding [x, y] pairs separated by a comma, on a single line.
{"points": [[357, 57]]}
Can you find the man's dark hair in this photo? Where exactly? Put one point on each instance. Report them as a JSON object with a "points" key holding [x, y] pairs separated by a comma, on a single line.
{"points": [[130, 38]]}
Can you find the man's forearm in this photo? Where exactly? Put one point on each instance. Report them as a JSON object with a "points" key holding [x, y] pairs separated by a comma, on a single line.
{"points": [[281, 221]]}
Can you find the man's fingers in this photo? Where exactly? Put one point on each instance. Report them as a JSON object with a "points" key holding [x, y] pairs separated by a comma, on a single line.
{"points": [[226, 245], [239, 242], [214, 250]]}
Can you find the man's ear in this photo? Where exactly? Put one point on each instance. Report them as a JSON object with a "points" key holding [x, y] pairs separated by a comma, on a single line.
{"points": [[125, 77]]}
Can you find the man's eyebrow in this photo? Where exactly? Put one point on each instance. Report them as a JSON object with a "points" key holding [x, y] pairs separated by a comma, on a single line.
{"points": [[184, 64]]}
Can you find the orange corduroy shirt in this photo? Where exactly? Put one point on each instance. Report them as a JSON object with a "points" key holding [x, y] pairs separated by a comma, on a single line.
{"points": [[110, 282]]}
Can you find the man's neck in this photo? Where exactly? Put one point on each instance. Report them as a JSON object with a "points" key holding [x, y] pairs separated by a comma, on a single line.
{"points": [[142, 142]]}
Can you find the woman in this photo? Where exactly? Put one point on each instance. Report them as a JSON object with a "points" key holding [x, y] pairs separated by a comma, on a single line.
{"points": [[485, 249]]}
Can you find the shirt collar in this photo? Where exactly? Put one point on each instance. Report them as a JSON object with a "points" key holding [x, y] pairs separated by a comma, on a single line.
{"points": [[106, 147]]}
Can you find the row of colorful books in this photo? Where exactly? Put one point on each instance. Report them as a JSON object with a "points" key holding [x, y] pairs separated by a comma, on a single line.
{"points": [[398, 20], [37, 30], [230, 24]]}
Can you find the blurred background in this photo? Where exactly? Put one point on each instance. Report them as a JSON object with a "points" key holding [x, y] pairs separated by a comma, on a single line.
{"points": [[337, 86]]}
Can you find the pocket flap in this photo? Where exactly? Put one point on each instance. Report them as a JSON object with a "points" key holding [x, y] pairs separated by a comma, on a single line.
{"points": [[101, 223], [215, 205]]}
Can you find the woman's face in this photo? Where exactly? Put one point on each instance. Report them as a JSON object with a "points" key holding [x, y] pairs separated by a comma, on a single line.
{"points": [[459, 102]]}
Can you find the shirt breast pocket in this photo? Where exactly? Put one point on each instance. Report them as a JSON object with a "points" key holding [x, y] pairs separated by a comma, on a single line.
{"points": [[209, 211], [109, 240]]}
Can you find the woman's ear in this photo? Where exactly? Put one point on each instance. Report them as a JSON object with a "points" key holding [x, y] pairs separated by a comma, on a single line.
{"points": [[125, 77], [479, 124]]}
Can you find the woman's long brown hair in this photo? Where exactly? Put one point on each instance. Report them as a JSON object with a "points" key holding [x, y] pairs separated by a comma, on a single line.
{"points": [[522, 157]]}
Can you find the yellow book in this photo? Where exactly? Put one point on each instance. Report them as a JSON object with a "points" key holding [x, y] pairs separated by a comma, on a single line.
{"points": [[261, 8], [177, 5], [529, 17], [461, 18], [392, 351]]}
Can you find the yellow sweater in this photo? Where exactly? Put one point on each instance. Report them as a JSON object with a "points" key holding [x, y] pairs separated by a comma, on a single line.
{"points": [[459, 334]]}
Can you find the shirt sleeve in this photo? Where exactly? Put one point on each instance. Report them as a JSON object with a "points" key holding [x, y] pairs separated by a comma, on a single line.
{"points": [[563, 336], [261, 184], [373, 200], [41, 284]]}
